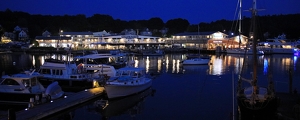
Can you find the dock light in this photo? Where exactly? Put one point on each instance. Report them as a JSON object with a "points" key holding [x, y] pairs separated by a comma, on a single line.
{"points": [[51, 101], [26, 109], [85, 90], [65, 96]]}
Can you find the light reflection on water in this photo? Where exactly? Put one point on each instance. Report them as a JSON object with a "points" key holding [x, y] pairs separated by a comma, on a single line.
{"points": [[219, 64], [196, 89]]}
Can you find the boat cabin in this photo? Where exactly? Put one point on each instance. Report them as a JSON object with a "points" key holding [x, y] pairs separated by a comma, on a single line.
{"points": [[132, 72], [21, 83]]}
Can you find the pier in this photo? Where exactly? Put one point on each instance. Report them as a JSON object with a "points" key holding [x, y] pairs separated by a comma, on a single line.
{"points": [[50, 108]]}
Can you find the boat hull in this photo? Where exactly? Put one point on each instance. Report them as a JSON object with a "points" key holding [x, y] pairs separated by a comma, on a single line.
{"points": [[279, 51], [119, 106], [196, 62], [262, 110], [121, 90], [242, 51], [68, 85]]}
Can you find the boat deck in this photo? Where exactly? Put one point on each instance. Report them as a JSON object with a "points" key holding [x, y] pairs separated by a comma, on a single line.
{"points": [[46, 109]]}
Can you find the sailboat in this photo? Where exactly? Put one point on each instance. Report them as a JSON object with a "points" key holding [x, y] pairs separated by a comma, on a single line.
{"points": [[240, 50], [196, 61], [199, 60], [254, 99]]}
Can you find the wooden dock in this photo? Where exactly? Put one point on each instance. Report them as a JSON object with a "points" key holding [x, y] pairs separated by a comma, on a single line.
{"points": [[46, 109]]}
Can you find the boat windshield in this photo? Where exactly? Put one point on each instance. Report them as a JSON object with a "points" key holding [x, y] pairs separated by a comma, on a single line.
{"points": [[9, 82]]}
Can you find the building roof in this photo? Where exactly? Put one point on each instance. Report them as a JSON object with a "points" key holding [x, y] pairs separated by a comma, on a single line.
{"points": [[194, 33], [53, 38], [77, 33]]}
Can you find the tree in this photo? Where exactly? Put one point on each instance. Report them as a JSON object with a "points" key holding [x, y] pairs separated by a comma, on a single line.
{"points": [[155, 24], [101, 22], [177, 26]]}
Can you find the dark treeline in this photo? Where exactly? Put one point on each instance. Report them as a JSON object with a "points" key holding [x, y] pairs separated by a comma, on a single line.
{"points": [[272, 25]]}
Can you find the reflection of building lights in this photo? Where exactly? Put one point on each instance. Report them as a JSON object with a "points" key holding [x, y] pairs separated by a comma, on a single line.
{"points": [[266, 66], [159, 65], [174, 65], [217, 68], [167, 64], [33, 60], [147, 64], [136, 63], [178, 65]]}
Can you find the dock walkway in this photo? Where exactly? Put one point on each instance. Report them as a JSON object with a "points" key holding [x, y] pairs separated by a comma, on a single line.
{"points": [[46, 109]]}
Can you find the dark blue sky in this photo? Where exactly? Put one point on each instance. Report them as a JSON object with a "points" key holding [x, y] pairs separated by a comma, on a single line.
{"points": [[194, 11]]}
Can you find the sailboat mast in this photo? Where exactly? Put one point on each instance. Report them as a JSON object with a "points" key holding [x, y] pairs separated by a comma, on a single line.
{"points": [[240, 23], [199, 40], [254, 42]]}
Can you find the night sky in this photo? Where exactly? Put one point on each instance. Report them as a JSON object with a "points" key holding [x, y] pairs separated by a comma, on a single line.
{"points": [[195, 11]]}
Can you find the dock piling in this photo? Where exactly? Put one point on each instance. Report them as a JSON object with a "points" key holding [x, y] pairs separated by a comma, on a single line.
{"points": [[11, 114]]}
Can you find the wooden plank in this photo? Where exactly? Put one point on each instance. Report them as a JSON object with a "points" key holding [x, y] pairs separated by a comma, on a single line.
{"points": [[46, 109]]}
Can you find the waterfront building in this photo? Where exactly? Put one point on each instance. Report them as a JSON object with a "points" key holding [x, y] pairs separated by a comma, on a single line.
{"points": [[131, 39], [127, 39], [46, 40], [205, 40], [19, 34]]}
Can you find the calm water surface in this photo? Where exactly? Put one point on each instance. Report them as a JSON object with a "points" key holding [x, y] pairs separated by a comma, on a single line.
{"points": [[180, 92]]}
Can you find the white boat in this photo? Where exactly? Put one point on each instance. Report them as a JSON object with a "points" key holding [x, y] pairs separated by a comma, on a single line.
{"points": [[116, 60], [128, 81], [196, 61], [94, 63], [189, 68], [278, 45], [68, 75], [20, 88]]}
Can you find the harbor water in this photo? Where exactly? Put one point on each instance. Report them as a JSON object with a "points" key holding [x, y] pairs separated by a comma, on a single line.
{"points": [[193, 92]]}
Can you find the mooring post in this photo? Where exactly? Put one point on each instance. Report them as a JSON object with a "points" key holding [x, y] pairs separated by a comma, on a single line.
{"points": [[11, 114], [290, 81], [31, 103]]}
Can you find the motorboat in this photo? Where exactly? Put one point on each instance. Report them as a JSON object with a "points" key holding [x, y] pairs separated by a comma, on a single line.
{"points": [[95, 63], [68, 75], [278, 45], [241, 51], [128, 81], [114, 60], [22, 88], [196, 61]]}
